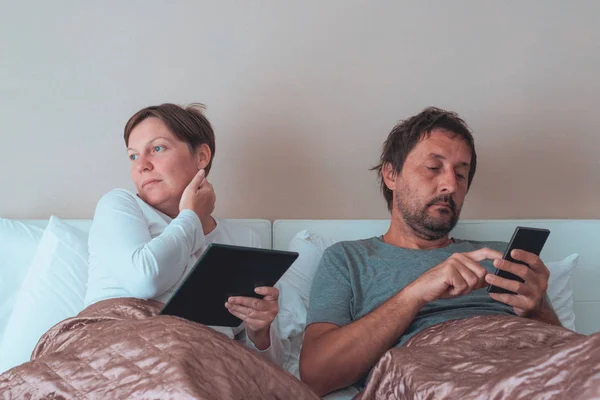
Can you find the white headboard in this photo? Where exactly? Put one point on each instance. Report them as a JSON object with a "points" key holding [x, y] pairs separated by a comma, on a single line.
{"points": [[566, 237], [261, 226]]}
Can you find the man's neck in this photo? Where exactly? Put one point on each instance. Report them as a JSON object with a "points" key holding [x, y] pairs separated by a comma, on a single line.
{"points": [[401, 235]]}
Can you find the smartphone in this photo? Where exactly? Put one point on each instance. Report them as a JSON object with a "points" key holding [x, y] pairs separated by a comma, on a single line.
{"points": [[531, 240]]}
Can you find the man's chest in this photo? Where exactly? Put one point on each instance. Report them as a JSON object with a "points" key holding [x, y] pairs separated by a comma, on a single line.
{"points": [[379, 279]]}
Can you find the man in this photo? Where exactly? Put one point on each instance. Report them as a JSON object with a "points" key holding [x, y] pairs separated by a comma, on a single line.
{"points": [[371, 295]]}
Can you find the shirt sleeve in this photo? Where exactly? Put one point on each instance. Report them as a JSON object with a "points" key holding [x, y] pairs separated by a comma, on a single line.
{"points": [[331, 291], [144, 266], [274, 352]]}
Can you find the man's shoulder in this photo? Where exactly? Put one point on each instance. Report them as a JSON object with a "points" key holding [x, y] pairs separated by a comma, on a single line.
{"points": [[351, 247]]}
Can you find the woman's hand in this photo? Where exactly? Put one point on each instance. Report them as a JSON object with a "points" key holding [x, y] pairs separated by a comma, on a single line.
{"points": [[199, 196], [258, 314]]}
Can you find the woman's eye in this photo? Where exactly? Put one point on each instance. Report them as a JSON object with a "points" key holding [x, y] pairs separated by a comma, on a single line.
{"points": [[133, 157], [158, 148]]}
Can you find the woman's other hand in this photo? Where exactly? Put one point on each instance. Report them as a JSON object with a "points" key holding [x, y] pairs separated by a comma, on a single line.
{"points": [[258, 314]]}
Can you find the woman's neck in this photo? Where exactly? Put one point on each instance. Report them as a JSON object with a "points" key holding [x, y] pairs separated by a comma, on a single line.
{"points": [[208, 223]]}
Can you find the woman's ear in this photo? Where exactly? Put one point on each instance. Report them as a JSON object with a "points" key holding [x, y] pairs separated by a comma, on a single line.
{"points": [[389, 176], [203, 156]]}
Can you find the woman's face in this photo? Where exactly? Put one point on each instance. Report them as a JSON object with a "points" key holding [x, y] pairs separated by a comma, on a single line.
{"points": [[161, 165]]}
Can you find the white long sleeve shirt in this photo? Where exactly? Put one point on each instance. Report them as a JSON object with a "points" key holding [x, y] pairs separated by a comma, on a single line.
{"points": [[137, 251]]}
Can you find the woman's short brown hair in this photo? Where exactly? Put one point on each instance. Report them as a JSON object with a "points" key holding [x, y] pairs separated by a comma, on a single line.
{"points": [[188, 124]]}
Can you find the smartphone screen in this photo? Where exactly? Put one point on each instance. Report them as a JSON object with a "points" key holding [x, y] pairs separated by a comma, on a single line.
{"points": [[531, 240]]}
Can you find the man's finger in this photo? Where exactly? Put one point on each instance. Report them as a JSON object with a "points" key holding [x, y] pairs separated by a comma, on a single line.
{"points": [[457, 284], [470, 277], [530, 259], [508, 284], [518, 301], [505, 298], [474, 266], [483, 254], [520, 270]]}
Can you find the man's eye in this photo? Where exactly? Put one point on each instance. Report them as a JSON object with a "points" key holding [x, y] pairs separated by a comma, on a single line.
{"points": [[462, 177], [133, 157], [433, 168]]}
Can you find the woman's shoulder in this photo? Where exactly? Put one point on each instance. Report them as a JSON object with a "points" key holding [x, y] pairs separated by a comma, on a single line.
{"points": [[118, 194], [117, 199]]}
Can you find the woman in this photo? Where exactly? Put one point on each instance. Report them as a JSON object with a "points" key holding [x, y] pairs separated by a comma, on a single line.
{"points": [[143, 245]]}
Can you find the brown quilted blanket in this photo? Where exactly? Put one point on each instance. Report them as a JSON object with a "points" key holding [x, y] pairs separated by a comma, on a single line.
{"points": [[494, 357], [121, 349]]}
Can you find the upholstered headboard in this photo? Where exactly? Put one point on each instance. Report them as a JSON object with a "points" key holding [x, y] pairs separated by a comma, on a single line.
{"points": [[261, 226], [566, 237]]}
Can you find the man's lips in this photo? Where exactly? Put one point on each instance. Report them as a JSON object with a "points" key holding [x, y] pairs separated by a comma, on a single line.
{"points": [[444, 205]]}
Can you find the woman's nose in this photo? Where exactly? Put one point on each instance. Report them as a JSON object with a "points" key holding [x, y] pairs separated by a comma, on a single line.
{"points": [[144, 164]]}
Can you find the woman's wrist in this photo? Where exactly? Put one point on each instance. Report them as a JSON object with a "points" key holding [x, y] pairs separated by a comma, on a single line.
{"points": [[260, 338]]}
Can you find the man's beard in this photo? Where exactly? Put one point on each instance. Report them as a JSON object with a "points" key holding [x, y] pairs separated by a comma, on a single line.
{"points": [[423, 224]]}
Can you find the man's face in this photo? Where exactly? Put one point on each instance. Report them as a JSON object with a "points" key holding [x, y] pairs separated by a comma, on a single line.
{"points": [[430, 190]]}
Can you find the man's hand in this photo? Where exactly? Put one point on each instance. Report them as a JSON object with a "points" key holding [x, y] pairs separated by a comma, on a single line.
{"points": [[529, 295], [258, 314], [458, 275]]}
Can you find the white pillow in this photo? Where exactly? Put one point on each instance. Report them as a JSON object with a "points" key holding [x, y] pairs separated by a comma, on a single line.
{"points": [[560, 289], [18, 242], [310, 246], [294, 287], [53, 289]]}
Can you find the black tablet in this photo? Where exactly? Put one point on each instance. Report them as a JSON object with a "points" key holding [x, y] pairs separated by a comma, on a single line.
{"points": [[223, 271]]}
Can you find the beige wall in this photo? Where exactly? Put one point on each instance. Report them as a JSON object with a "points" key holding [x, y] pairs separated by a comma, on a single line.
{"points": [[302, 94]]}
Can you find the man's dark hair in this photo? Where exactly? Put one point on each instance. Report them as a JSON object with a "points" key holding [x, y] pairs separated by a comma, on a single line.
{"points": [[406, 134]]}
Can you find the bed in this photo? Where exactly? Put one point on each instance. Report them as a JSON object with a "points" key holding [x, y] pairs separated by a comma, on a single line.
{"points": [[567, 237]]}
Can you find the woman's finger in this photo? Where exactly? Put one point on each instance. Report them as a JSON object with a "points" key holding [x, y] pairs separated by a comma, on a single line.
{"points": [[250, 302], [270, 293], [251, 312]]}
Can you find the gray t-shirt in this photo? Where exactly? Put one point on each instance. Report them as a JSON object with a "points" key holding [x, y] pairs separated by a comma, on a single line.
{"points": [[354, 278]]}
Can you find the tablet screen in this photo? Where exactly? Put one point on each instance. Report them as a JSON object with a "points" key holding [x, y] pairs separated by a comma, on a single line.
{"points": [[223, 271]]}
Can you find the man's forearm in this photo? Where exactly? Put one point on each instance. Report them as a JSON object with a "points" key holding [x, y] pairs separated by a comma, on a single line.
{"points": [[545, 313], [341, 356]]}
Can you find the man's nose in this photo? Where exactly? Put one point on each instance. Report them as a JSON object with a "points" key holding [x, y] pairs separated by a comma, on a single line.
{"points": [[448, 183]]}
